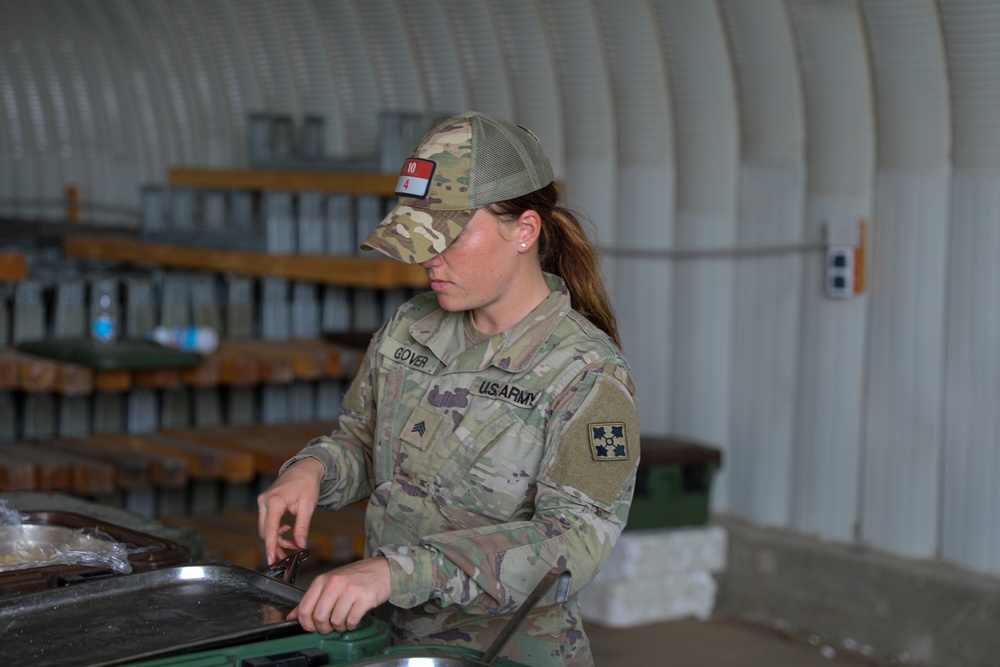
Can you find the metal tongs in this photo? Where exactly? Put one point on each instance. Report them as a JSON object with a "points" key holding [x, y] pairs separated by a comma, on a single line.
{"points": [[287, 569]]}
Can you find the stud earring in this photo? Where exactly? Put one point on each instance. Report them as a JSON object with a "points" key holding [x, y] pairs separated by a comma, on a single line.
{"points": [[524, 245]]}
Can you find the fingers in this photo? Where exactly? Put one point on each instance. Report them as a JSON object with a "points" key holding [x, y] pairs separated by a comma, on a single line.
{"points": [[338, 600], [270, 510], [301, 530]]}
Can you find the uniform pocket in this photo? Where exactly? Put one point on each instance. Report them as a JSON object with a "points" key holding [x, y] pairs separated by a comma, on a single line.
{"points": [[494, 478]]}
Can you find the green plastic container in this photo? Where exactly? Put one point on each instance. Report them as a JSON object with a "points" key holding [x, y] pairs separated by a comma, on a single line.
{"points": [[369, 639], [673, 484], [116, 356]]}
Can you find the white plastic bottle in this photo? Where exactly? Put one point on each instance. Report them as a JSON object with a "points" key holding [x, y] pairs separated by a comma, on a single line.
{"points": [[203, 340]]}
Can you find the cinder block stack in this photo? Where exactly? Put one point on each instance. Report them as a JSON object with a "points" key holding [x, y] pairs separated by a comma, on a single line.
{"points": [[657, 575]]}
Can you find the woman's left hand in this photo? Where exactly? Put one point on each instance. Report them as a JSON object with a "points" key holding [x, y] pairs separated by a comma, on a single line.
{"points": [[339, 599]]}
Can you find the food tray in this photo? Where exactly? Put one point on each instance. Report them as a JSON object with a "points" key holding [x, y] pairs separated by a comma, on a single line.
{"points": [[143, 616], [145, 552]]}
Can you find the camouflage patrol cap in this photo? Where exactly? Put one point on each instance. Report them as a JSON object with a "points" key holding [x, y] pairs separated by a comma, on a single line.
{"points": [[467, 162]]}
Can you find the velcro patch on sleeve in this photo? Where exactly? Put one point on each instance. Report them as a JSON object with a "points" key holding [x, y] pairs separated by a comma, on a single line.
{"points": [[600, 449]]}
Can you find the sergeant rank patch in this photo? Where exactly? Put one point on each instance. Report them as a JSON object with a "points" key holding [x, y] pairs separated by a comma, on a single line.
{"points": [[607, 442]]}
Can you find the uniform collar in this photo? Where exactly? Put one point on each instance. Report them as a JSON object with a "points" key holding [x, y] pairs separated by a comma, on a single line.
{"points": [[443, 333]]}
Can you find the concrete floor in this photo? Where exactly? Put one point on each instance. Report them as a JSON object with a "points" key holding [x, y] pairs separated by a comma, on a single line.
{"points": [[718, 642]]}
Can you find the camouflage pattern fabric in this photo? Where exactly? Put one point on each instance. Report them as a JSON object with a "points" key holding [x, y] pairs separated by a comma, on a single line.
{"points": [[419, 228], [487, 466]]}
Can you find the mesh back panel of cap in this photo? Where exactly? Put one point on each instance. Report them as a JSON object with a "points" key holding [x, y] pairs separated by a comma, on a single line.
{"points": [[507, 163]]}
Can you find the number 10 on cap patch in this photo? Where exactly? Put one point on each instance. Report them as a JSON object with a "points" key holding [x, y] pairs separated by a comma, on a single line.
{"points": [[415, 178]]}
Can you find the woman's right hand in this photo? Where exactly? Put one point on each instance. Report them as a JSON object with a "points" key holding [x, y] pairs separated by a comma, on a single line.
{"points": [[296, 491]]}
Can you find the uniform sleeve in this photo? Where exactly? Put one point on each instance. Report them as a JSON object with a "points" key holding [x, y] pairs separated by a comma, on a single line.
{"points": [[346, 453], [583, 494]]}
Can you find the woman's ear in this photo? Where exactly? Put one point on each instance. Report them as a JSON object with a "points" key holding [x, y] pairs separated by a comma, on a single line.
{"points": [[529, 226]]}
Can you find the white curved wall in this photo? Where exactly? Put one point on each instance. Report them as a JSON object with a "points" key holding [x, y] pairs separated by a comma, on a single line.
{"points": [[678, 127]]}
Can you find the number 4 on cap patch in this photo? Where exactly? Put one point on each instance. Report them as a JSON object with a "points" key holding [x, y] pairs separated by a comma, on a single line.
{"points": [[415, 178], [607, 442]]}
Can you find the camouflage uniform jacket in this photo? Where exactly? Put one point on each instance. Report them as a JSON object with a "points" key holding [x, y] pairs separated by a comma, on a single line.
{"points": [[486, 467]]}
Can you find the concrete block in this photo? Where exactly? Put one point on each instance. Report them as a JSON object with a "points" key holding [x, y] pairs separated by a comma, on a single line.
{"points": [[657, 575], [623, 604], [662, 552]]}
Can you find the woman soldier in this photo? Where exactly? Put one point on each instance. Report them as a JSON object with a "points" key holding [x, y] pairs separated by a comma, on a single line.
{"points": [[492, 425]]}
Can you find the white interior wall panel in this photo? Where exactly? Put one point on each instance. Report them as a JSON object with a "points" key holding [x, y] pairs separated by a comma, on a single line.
{"points": [[68, 123], [357, 83], [902, 433], [767, 289], [144, 84], [97, 180], [675, 126], [587, 115], [433, 41], [311, 68], [480, 58], [238, 89], [197, 62], [120, 139], [839, 163], [644, 214], [161, 32], [397, 64], [531, 63], [33, 111], [707, 144], [971, 457], [269, 56]]}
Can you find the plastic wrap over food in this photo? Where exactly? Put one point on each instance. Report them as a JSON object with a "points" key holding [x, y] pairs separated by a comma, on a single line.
{"points": [[28, 545]]}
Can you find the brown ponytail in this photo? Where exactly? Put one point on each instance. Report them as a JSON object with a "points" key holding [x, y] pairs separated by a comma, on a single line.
{"points": [[565, 250]]}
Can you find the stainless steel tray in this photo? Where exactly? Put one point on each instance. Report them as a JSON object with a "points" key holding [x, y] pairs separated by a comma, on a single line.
{"points": [[141, 616]]}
